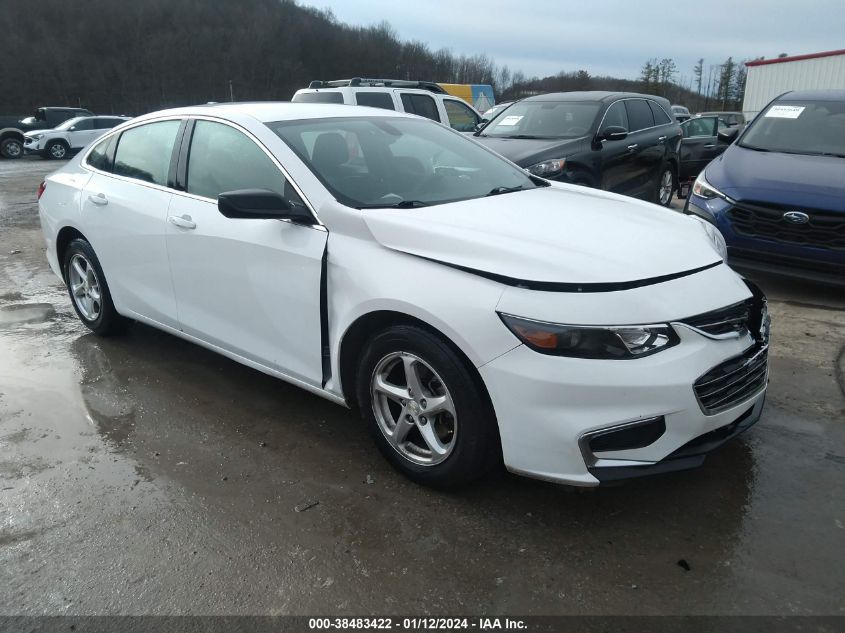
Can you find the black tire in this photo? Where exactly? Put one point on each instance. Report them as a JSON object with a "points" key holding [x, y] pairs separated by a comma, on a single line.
{"points": [[660, 196], [11, 148], [106, 321], [56, 150], [475, 445]]}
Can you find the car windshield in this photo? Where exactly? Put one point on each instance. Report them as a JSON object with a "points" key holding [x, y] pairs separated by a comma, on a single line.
{"points": [[69, 123], [799, 127], [369, 162], [544, 119]]}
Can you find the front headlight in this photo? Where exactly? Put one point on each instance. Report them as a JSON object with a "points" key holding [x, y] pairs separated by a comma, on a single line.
{"points": [[704, 189], [715, 236], [548, 168], [576, 341]]}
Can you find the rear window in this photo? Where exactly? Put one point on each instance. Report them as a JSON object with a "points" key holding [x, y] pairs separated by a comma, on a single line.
{"points": [[375, 100], [660, 116], [318, 97], [639, 114], [421, 105]]}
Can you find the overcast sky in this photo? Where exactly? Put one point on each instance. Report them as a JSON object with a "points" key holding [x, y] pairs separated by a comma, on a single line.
{"points": [[607, 37]]}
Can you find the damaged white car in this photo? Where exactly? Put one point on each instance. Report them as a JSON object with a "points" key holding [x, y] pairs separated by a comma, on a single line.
{"points": [[474, 313]]}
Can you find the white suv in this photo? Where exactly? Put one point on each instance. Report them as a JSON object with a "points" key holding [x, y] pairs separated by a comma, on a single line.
{"points": [[70, 136], [423, 98]]}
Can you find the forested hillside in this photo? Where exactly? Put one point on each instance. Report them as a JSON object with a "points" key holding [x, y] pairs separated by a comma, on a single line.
{"points": [[134, 56]]}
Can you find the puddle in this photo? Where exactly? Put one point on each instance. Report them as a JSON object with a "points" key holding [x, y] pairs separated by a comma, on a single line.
{"points": [[26, 313]]}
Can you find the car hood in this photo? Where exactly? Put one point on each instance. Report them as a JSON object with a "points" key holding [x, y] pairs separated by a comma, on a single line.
{"points": [[792, 179], [34, 132], [526, 152], [559, 234]]}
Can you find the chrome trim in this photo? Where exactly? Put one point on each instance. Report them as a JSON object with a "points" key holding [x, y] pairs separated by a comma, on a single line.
{"points": [[764, 349], [180, 117], [716, 337], [671, 116], [592, 460], [594, 327]]}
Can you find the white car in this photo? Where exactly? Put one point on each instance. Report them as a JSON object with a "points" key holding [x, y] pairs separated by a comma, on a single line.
{"points": [[70, 136], [474, 313], [423, 98]]}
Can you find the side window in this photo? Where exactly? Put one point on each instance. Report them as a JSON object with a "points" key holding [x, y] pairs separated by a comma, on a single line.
{"points": [[616, 115], [639, 114], [318, 97], [101, 156], [105, 123], [144, 152], [660, 116], [375, 100], [422, 105], [703, 126], [461, 117], [83, 125], [222, 158]]}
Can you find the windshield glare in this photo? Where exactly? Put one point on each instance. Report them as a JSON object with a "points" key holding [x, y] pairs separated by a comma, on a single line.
{"points": [[805, 127], [545, 119], [369, 162], [69, 123]]}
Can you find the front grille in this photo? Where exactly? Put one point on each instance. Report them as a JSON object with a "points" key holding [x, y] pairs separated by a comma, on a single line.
{"points": [[824, 229], [733, 381], [734, 318]]}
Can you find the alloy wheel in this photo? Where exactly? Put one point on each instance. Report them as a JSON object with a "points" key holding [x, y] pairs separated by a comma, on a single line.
{"points": [[413, 408], [85, 287], [665, 191], [57, 150]]}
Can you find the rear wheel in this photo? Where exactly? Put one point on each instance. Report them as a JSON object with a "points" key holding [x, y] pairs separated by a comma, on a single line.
{"points": [[56, 150], [11, 148], [665, 186], [89, 292], [425, 411]]}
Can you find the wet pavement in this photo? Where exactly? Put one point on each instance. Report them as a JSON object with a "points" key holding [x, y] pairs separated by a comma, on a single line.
{"points": [[145, 475]]}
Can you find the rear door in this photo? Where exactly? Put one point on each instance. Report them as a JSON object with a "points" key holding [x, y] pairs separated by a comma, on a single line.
{"points": [[124, 209], [250, 287], [700, 145]]}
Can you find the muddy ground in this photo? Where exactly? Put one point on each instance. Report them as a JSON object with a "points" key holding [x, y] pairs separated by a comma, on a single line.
{"points": [[145, 475]]}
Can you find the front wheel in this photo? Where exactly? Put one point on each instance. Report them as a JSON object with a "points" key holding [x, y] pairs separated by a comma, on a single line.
{"points": [[89, 292], [425, 410], [665, 186], [56, 150], [11, 148]]}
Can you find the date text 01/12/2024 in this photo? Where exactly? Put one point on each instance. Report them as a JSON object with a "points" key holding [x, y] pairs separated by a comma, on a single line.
{"points": [[416, 624]]}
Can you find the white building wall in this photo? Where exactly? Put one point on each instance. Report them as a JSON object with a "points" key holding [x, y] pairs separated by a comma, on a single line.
{"points": [[767, 81]]}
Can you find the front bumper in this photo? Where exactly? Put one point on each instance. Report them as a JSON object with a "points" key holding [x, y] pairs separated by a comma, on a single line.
{"points": [[32, 146], [546, 405]]}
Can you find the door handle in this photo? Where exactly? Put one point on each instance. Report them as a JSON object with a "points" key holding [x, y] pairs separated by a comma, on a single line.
{"points": [[99, 199], [631, 148], [710, 146], [182, 221], [661, 139]]}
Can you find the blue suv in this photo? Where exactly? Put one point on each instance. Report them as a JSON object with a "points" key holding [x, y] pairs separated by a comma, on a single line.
{"points": [[778, 193]]}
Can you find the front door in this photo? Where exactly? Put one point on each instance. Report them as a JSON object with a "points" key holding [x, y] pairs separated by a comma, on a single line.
{"points": [[81, 133], [250, 287]]}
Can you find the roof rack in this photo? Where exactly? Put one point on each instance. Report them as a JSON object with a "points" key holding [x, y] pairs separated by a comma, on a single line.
{"points": [[360, 82]]}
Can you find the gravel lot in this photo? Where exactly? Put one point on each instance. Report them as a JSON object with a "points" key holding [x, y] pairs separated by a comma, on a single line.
{"points": [[145, 475]]}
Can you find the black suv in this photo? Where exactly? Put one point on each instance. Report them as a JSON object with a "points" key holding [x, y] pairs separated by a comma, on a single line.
{"points": [[619, 141]]}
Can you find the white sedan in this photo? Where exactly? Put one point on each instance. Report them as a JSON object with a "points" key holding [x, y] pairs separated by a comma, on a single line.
{"points": [[474, 313]]}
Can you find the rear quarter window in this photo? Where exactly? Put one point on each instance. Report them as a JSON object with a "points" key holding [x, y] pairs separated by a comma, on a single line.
{"points": [[318, 97], [375, 100]]}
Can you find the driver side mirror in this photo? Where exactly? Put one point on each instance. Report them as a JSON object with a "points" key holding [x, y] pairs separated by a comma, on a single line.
{"points": [[728, 135], [261, 204], [613, 133]]}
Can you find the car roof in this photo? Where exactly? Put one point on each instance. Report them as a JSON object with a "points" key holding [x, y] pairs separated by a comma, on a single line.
{"points": [[267, 111], [592, 95], [813, 95]]}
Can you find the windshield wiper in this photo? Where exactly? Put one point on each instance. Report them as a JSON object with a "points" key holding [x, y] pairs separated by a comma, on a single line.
{"points": [[404, 204], [497, 191]]}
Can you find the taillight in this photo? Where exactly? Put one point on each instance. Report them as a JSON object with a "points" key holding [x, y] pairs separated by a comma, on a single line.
{"points": [[41, 189]]}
